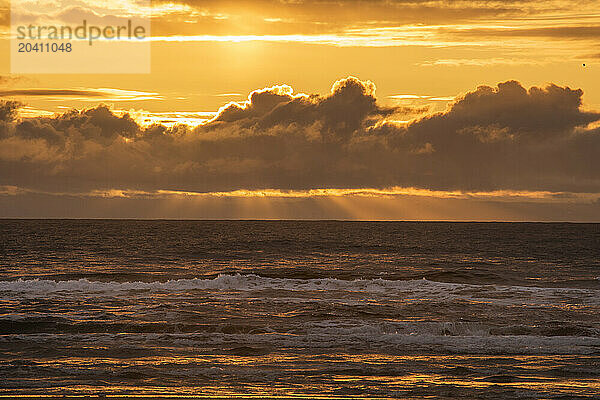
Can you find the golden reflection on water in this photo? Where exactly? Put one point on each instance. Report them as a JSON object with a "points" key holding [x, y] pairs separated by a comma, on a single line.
{"points": [[306, 376]]}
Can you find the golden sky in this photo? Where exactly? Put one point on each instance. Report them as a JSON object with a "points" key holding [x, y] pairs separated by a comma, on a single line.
{"points": [[455, 110]]}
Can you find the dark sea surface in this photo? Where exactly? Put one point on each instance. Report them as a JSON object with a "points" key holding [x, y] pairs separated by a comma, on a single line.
{"points": [[313, 308]]}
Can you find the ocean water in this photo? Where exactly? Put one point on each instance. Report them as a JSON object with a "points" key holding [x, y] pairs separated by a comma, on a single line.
{"points": [[300, 309]]}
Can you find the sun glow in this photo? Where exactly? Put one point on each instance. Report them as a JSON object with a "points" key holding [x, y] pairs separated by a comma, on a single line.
{"points": [[502, 195]]}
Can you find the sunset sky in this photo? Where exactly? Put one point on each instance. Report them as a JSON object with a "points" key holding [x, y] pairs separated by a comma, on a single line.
{"points": [[420, 110]]}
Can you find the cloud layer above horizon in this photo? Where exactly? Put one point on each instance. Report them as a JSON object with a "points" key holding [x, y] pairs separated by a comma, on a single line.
{"points": [[504, 138]]}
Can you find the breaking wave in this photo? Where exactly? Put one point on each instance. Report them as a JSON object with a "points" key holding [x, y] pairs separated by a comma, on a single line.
{"points": [[283, 289], [221, 283]]}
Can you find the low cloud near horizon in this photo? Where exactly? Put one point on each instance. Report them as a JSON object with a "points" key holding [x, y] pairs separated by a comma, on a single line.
{"points": [[504, 138]]}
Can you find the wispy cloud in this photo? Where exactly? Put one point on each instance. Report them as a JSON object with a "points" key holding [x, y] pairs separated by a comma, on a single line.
{"points": [[420, 97], [341, 40], [480, 62], [83, 94]]}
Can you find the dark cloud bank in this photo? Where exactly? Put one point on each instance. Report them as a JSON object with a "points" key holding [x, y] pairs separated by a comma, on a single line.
{"points": [[502, 138]]}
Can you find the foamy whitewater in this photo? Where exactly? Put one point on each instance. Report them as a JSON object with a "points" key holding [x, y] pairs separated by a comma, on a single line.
{"points": [[333, 309]]}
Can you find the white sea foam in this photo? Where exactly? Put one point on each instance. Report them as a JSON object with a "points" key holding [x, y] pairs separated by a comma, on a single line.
{"points": [[221, 283], [327, 289]]}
